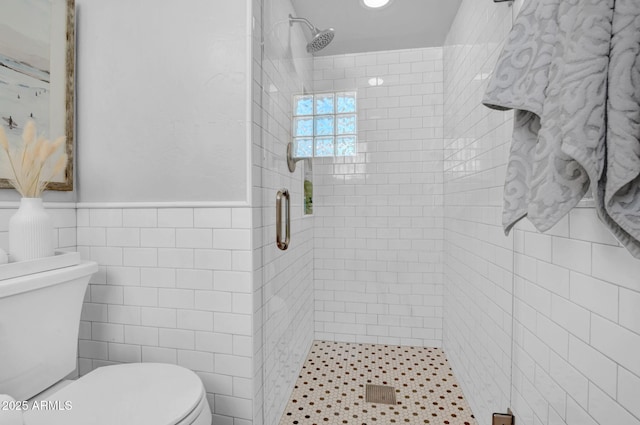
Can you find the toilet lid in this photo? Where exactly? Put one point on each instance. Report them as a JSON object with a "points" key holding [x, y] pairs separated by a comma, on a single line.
{"points": [[137, 393]]}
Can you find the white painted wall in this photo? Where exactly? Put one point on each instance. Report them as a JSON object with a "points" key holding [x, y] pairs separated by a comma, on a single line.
{"points": [[162, 100], [378, 231]]}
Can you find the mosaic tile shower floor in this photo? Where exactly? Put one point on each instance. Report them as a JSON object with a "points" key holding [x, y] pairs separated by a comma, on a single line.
{"points": [[331, 387]]}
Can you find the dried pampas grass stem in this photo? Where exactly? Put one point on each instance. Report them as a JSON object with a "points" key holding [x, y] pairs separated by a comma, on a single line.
{"points": [[35, 162]]}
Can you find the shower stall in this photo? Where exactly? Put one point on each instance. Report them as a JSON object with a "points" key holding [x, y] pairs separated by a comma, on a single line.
{"points": [[368, 265], [405, 245], [395, 243]]}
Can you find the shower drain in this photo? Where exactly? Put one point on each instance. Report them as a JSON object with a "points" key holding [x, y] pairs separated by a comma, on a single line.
{"points": [[380, 394]]}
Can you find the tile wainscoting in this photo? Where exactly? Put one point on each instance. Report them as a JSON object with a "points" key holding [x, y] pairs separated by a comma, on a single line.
{"points": [[174, 286]]}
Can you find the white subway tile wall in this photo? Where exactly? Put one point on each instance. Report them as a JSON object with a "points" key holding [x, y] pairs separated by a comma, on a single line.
{"points": [[478, 260], [169, 291], [64, 226], [283, 288], [575, 355], [378, 226], [575, 290]]}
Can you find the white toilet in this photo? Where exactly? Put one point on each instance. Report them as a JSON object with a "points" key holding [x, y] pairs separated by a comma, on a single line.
{"points": [[39, 320]]}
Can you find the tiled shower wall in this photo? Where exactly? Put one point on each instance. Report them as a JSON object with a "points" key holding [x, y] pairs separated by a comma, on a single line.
{"points": [[283, 321], [174, 286], [478, 258], [576, 322], [378, 229]]}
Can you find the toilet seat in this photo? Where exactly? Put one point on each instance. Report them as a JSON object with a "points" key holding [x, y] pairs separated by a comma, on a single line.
{"points": [[136, 393]]}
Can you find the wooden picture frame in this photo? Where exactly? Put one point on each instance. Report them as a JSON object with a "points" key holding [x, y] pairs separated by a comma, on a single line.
{"points": [[36, 70]]}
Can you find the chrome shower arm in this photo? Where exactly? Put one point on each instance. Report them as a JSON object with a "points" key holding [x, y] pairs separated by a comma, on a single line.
{"points": [[303, 20]]}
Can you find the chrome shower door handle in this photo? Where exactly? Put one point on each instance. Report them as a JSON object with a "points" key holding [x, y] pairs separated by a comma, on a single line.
{"points": [[283, 245]]}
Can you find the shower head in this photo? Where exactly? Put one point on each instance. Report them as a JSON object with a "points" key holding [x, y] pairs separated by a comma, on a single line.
{"points": [[320, 38]]}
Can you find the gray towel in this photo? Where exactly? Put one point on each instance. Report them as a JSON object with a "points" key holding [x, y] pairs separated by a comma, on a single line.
{"points": [[555, 71], [622, 186]]}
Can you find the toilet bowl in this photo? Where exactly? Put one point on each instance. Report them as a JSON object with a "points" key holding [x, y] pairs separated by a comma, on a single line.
{"points": [[39, 318], [136, 393]]}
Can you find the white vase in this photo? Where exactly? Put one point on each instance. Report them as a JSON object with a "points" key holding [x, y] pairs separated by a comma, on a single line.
{"points": [[30, 231]]}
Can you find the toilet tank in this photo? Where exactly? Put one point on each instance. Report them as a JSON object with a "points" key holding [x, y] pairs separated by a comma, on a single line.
{"points": [[39, 322]]}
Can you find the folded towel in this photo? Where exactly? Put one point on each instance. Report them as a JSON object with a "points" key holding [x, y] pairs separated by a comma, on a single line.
{"points": [[543, 182], [519, 82], [555, 71], [622, 186]]}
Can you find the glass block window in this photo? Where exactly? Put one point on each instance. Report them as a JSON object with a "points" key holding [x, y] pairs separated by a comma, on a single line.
{"points": [[303, 126], [324, 104], [325, 125], [303, 147], [324, 146], [304, 105], [345, 145]]}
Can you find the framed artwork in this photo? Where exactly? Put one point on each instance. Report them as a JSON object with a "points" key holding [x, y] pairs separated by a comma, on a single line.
{"points": [[37, 62]]}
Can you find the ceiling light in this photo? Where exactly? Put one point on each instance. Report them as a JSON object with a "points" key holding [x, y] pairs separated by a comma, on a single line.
{"points": [[374, 4]]}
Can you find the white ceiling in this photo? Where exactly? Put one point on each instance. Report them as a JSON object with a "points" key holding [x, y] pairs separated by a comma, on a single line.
{"points": [[402, 24]]}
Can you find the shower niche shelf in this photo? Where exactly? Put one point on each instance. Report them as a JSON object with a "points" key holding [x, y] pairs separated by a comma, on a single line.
{"points": [[22, 268]]}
